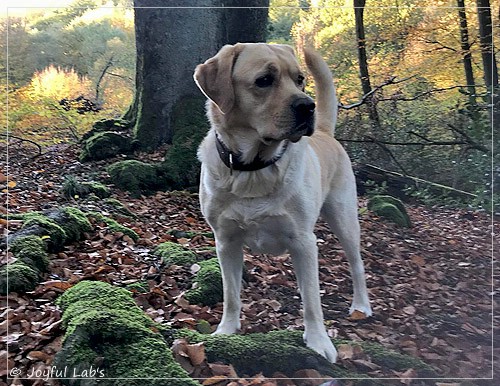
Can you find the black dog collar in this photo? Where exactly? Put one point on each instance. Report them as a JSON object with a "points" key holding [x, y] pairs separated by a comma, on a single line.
{"points": [[233, 161]]}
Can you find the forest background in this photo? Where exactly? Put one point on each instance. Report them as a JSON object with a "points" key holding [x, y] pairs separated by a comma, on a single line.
{"points": [[414, 111]]}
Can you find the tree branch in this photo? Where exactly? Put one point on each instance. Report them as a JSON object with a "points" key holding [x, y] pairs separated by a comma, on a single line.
{"points": [[8, 136], [392, 80]]}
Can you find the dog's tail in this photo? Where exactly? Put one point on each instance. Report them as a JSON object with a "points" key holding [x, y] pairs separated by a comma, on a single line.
{"points": [[326, 98]]}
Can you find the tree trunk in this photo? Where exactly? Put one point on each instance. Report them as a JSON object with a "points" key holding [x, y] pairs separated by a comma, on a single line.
{"points": [[486, 41], [170, 42], [359, 6], [466, 54]]}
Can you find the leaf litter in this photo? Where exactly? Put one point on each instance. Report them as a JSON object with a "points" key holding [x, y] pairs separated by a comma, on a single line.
{"points": [[431, 286]]}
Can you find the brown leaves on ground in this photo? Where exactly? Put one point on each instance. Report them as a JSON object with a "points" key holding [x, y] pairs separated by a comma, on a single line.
{"points": [[430, 286]]}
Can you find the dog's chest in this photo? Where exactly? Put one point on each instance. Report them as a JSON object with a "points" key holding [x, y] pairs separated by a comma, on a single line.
{"points": [[264, 228]]}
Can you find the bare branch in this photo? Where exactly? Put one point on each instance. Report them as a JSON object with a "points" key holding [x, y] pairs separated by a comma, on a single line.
{"points": [[392, 80], [8, 136]]}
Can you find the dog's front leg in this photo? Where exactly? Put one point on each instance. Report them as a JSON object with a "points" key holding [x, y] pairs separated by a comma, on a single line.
{"points": [[304, 254], [230, 255]]}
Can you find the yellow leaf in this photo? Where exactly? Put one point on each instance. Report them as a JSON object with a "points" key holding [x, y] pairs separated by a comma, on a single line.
{"points": [[12, 184]]}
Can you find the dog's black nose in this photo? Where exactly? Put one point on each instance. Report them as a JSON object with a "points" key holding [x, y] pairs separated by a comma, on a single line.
{"points": [[303, 108]]}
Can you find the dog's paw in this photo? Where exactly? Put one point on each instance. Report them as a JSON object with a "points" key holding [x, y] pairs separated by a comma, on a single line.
{"points": [[227, 328], [323, 345], [360, 311]]}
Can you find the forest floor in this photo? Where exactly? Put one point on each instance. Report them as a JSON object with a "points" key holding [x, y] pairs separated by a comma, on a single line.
{"points": [[430, 285]]}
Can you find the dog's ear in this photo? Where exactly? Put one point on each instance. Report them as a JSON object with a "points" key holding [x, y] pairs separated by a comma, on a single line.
{"points": [[214, 77]]}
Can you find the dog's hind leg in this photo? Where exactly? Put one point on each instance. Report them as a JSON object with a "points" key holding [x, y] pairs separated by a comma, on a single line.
{"points": [[304, 253], [230, 255], [340, 210]]}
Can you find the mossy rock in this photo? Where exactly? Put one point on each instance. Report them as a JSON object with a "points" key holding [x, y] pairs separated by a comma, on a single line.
{"points": [[21, 278], [75, 224], [112, 124], [31, 250], [181, 166], [208, 284], [173, 253], [104, 145], [72, 188], [136, 177], [390, 208], [105, 328], [55, 234]]}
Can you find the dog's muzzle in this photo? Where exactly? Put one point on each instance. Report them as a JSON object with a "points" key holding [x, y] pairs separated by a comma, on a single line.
{"points": [[303, 111]]}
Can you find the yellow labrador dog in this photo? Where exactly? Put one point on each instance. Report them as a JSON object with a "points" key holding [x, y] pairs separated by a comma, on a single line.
{"points": [[270, 168]]}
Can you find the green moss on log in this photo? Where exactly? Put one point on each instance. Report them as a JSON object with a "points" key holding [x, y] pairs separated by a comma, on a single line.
{"points": [[173, 253], [76, 224], [106, 329], [285, 352], [31, 250], [104, 145], [136, 177], [181, 166], [17, 277], [208, 284], [52, 230], [390, 208]]}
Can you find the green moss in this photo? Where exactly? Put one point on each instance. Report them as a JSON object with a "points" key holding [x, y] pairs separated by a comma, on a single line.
{"points": [[100, 190], [104, 145], [76, 224], [284, 351], [17, 277], [394, 360], [115, 226], [103, 323], [56, 234], [173, 253], [208, 290], [181, 166], [135, 177], [32, 251], [138, 287], [390, 208], [72, 188]]}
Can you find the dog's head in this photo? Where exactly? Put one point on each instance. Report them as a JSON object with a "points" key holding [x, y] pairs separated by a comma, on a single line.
{"points": [[258, 87]]}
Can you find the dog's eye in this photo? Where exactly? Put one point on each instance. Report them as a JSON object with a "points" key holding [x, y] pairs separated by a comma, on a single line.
{"points": [[264, 81], [300, 80]]}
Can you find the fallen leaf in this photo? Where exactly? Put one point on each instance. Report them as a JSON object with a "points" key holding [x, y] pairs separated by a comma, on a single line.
{"points": [[357, 315]]}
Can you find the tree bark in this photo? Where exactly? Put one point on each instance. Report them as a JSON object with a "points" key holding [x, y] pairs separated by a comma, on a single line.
{"points": [[466, 54], [486, 41], [359, 6], [170, 42]]}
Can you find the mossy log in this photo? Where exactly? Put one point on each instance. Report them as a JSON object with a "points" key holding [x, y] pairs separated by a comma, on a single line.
{"points": [[41, 233], [57, 226], [397, 184], [106, 331]]}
